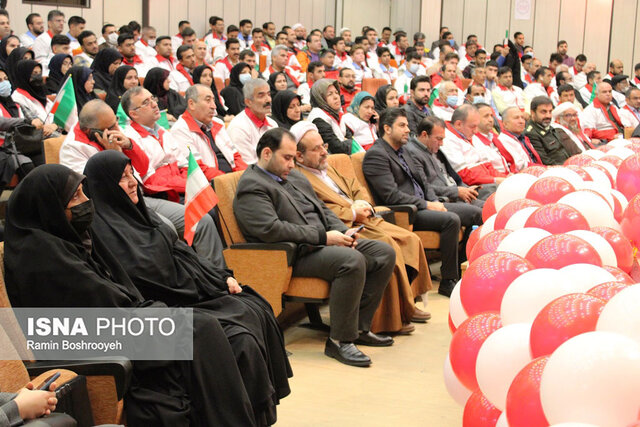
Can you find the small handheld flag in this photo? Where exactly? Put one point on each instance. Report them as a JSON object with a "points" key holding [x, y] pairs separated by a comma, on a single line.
{"points": [[64, 110], [199, 199]]}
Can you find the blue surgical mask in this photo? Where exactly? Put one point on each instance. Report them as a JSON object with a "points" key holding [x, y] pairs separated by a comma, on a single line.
{"points": [[452, 100], [5, 88], [413, 68], [244, 78], [452, 42], [477, 99]]}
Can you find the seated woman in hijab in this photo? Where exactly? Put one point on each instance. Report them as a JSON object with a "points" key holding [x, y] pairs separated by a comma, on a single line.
{"points": [[16, 55], [361, 119], [142, 242], [31, 97], [277, 82], [285, 109], [326, 112], [104, 65], [204, 74], [54, 259], [232, 94], [386, 97], [83, 85], [7, 45], [58, 67], [124, 79], [157, 82]]}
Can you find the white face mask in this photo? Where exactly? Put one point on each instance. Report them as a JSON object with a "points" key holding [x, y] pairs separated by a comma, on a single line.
{"points": [[413, 68], [5, 88], [112, 39], [152, 42], [244, 78]]}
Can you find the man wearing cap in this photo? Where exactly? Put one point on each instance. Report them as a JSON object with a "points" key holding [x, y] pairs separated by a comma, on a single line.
{"points": [[346, 198], [567, 125], [620, 84], [542, 136]]}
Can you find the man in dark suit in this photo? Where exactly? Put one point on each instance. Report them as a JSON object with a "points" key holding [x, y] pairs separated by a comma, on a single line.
{"points": [[394, 178], [275, 203]]}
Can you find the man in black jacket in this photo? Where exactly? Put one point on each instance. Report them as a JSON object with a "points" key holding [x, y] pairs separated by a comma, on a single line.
{"points": [[542, 135], [275, 203], [416, 107], [394, 178]]}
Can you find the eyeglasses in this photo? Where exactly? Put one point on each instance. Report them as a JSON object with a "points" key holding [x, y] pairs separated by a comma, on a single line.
{"points": [[147, 102], [319, 148], [570, 116]]}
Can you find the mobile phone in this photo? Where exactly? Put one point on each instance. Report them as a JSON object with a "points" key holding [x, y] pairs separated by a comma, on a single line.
{"points": [[92, 134], [50, 381], [476, 187], [353, 231]]}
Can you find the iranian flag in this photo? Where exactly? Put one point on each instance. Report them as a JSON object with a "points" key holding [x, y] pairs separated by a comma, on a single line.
{"points": [[199, 199], [64, 110]]}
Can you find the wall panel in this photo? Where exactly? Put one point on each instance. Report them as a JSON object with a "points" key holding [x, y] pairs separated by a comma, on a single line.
{"points": [[290, 9], [545, 36], [93, 16], [216, 8], [524, 26], [636, 44], [197, 15], [358, 13], [474, 21], [453, 14], [120, 12], [572, 18], [430, 19], [497, 22], [623, 27], [596, 38]]}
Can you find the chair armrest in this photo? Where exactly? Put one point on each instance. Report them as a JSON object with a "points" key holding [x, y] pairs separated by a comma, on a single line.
{"points": [[410, 210], [288, 247], [387, 215], [118, 368]]}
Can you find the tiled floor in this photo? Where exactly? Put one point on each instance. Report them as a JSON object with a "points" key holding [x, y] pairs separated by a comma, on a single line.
{"points": [[403, 387]]}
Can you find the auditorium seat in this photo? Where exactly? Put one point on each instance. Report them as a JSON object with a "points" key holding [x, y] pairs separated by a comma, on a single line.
{"points": [[52, 149], [371, 85], [219, 83], [107, 380], [266, 267], [141, 80]]}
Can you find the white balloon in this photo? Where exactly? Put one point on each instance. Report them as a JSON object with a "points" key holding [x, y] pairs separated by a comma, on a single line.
{"points": [[531, 292], [500, 358], [456, 310], [585, 276], [598, 176], [574, 425], [521, 240], [594, 154], [564, 173], [618, 142], [600, 189], [456, 389], [502, 420], [608, 166], [593, 378], [621, 313], [621, 198], [600, 244], [519, 218], [512, 188], [487, 227], [622, 152], [594, 208]]}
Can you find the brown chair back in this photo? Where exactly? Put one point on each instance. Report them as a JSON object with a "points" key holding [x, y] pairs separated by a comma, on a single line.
{"points": [[344, 165], [466, 83], [371, 85], [356, 161], [225, 186], [219, 83], [52, 149], [628, 131], [141, 80]]}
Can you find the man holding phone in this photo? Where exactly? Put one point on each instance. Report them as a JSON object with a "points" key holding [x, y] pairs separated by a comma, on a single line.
{"points": [[274, 203]]}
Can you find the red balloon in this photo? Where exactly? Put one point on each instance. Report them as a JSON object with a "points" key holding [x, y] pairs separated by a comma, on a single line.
{"points": [[488, 243], [583, 173], [452, 327], [579, 160], [606, 291], [614, 160], [620, 245], [535, 170], [631, 221], [561, 319], [472, 240], [620, 275], [628, 179], [560, 250], [466, 343], [510, 208], [549, 189], [489, 207], [635, 147], [524, 408], [557, 218], [487, 278], [479, 412]]}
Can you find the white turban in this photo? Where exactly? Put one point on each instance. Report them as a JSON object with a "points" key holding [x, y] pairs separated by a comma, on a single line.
{"points": [[301, 128], [562, 108]]}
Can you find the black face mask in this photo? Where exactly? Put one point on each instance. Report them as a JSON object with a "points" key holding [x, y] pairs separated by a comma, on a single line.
{"points": [[36, 81], [81, 216]]}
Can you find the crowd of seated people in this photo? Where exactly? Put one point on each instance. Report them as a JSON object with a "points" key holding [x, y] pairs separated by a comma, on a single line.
{"points": [[439, 130]]}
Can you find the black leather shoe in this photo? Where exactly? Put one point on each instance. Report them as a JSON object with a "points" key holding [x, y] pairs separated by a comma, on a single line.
{"points": [[446, 287], [373, 340], [346, 353]]}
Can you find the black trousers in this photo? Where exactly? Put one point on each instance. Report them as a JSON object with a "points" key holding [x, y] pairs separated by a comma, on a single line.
{"points": [[358, 278], [448, 225]]}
